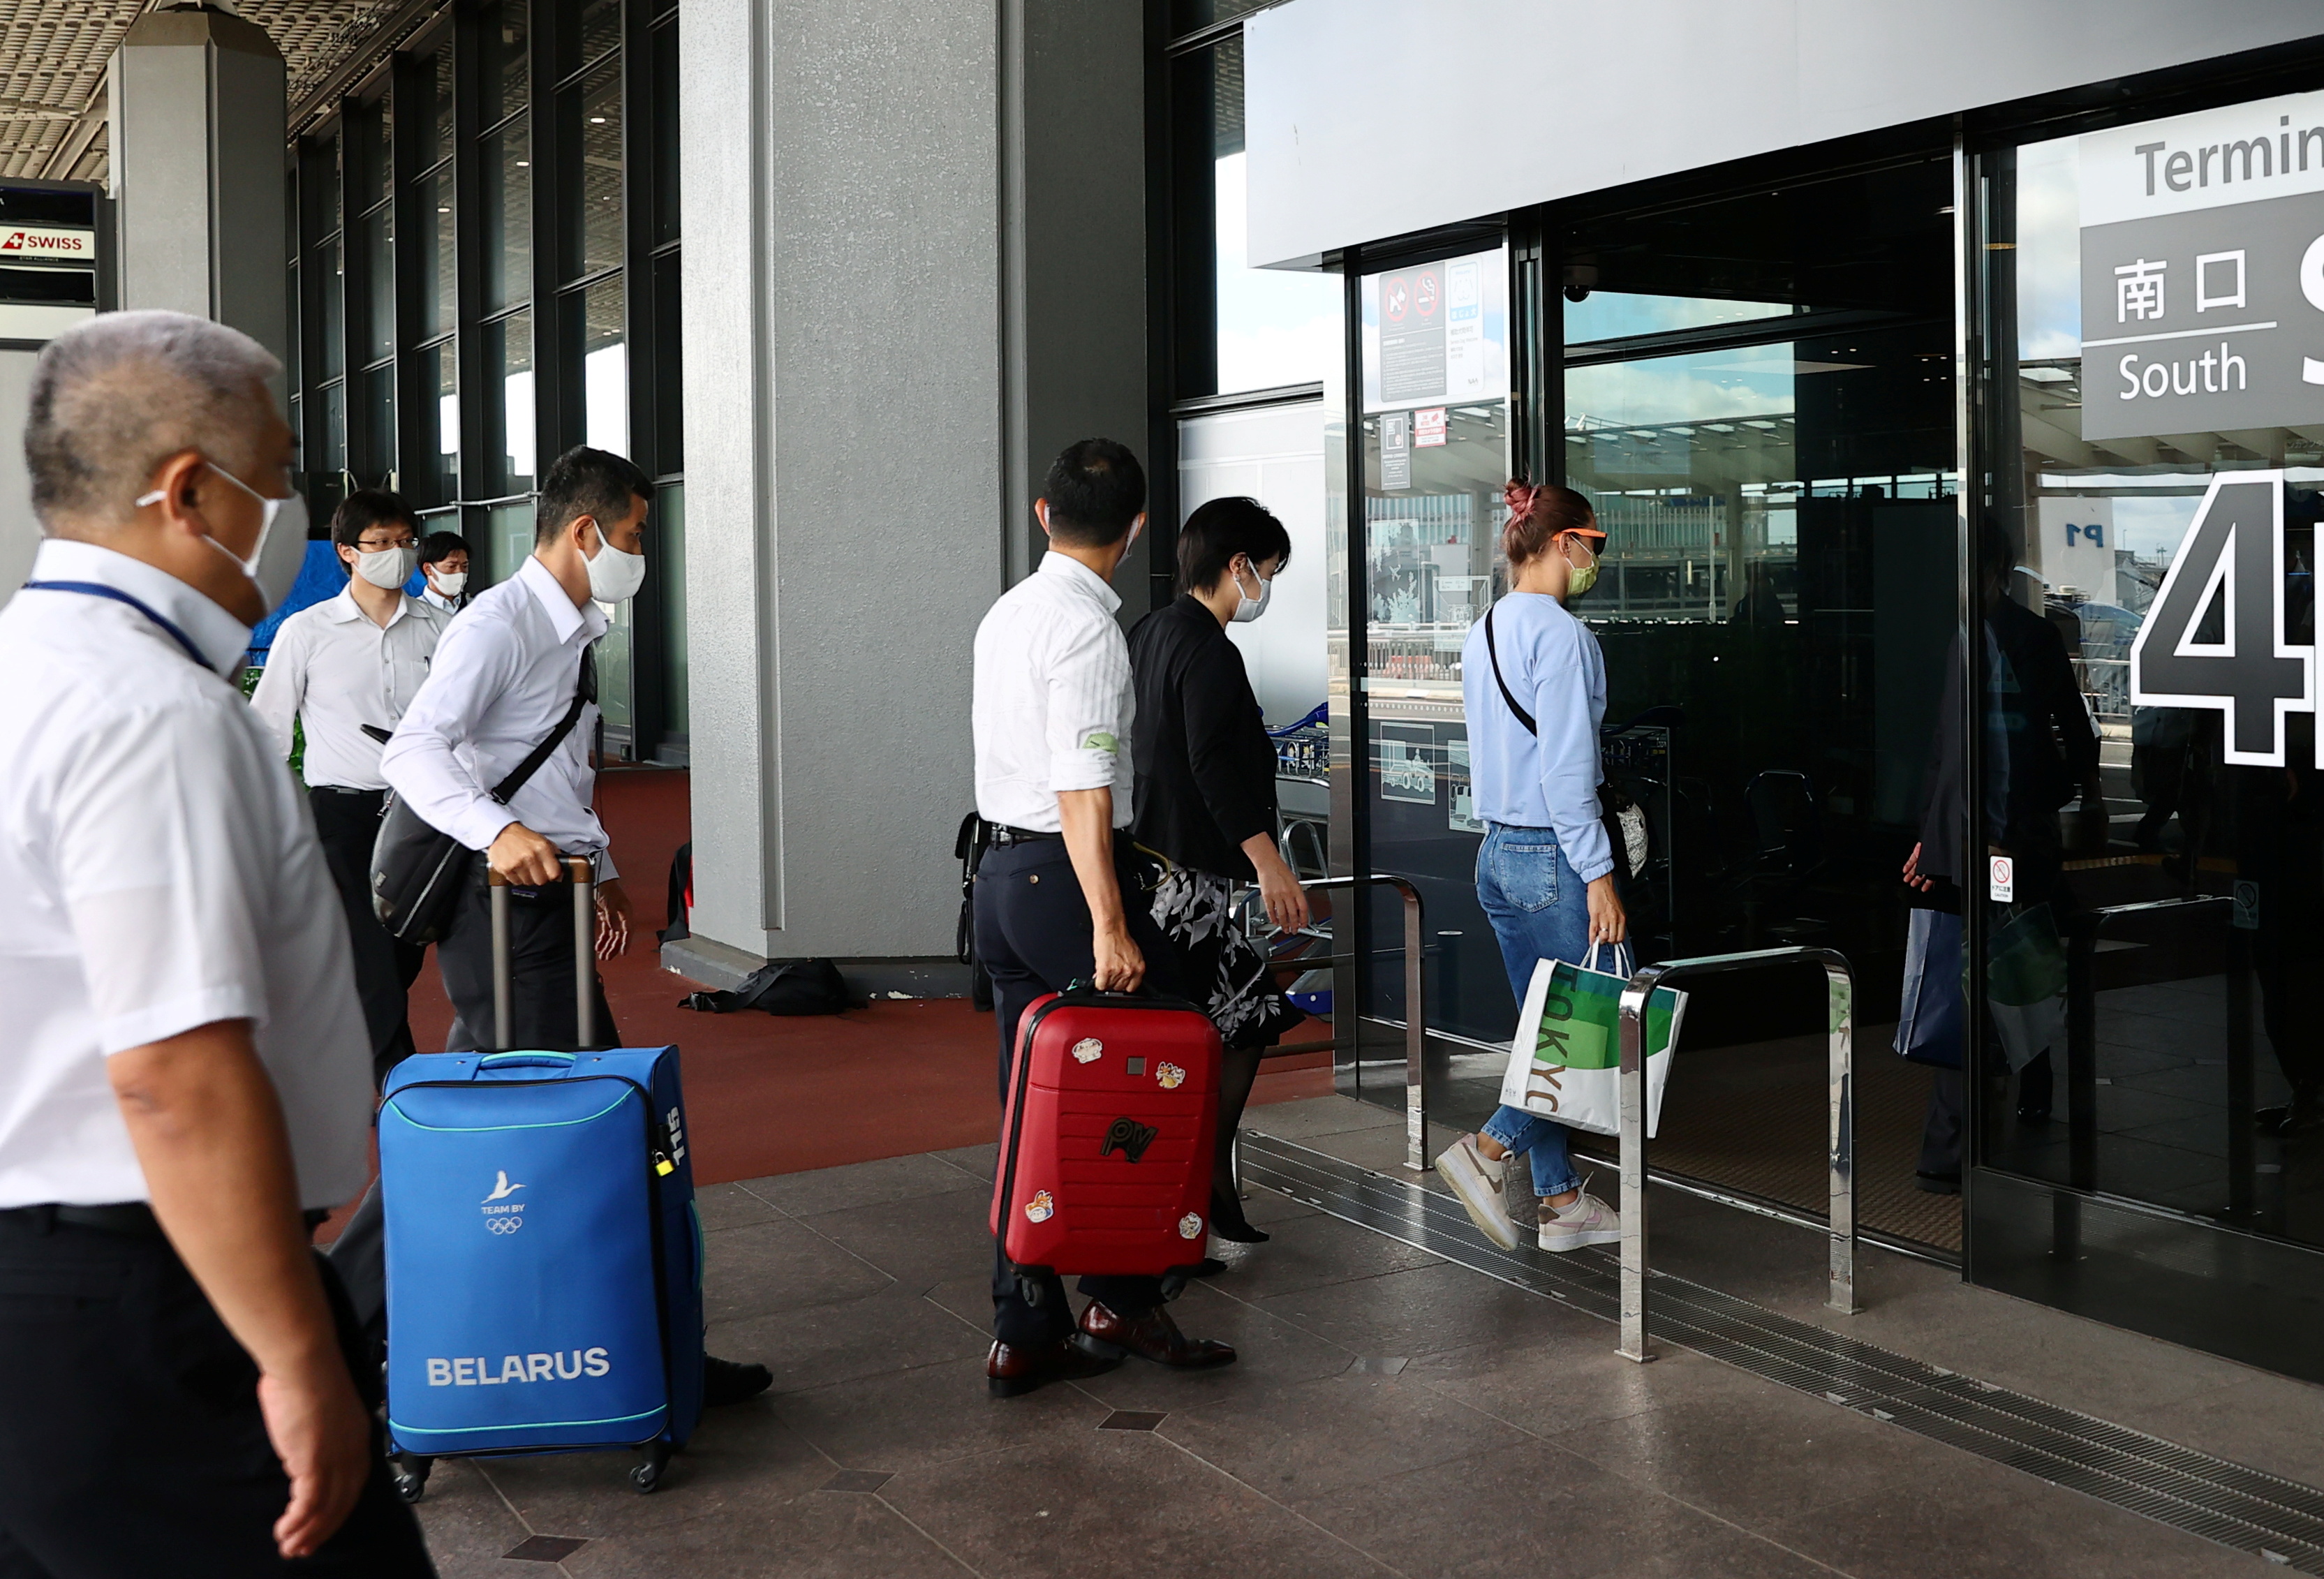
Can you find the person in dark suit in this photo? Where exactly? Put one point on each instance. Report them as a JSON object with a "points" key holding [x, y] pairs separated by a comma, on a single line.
{"points": [[1205, 802]]}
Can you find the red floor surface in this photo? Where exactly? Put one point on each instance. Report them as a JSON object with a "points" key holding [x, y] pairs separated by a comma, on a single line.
{"points": [[770, 1095]]}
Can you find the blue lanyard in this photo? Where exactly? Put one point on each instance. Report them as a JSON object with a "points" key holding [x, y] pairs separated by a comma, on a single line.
{"points": [[98, 589]]}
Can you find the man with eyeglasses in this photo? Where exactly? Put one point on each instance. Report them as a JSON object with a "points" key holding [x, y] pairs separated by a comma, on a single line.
{"points": [[346, 669]]}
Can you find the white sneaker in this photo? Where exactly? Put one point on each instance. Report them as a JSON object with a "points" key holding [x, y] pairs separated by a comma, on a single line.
{"points": [[1586, 1221], [1475, 1181]]}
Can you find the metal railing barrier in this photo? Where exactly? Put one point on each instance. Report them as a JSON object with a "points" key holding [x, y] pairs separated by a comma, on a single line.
{"points": [[1416, 1017], [1841, 1151]]}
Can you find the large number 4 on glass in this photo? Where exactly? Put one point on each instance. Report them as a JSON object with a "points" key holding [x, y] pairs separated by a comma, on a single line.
{"points": [[2233, 558]]}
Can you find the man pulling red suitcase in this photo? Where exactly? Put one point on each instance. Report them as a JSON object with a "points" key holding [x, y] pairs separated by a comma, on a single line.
{"points": [[1053, 710]]}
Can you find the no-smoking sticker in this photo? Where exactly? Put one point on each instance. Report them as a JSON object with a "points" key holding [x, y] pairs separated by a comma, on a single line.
{"points": [[2001, 879]]}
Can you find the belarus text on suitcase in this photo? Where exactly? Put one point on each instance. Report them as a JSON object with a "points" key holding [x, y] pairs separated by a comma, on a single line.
{"points": [[1105, 1152], [543, 1259]]}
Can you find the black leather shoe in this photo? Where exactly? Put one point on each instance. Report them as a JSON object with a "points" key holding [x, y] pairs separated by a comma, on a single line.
{"points": [[2283, 1122], [1938, 1184], [1229, 1223], [1151, 1336], [1014, 1368], [730, 1381]]}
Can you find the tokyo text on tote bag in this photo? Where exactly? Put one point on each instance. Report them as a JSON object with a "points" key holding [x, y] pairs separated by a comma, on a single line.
{"points": [[1566, 1061]]}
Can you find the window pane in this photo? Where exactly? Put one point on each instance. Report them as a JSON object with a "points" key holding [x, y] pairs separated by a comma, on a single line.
{"points": [[590, 151], [666, 123], [439, 372], [591, 28], [616, 672], [298, 321], [509, 429], [325, 217], [1614, 315], [375, 420], [1186, 15], [508, 540], [503, 83], [667, 530], [669, 369], [334, 283], [333, 456], [378, 231], [438, 290], [439, 120], [370, 173], [595, 343], [508, 215]]}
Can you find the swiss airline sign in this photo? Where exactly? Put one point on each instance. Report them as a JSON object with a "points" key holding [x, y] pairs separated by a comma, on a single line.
{"points": [[38, 241]]}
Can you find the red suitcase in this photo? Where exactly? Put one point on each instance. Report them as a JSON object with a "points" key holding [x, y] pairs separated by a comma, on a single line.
{"points": [[1106, 1149]]}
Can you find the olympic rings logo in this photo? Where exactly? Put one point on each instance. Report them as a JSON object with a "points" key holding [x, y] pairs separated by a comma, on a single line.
{"points": [[508, 1225]]}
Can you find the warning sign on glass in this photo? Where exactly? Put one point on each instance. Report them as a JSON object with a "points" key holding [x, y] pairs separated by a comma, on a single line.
{"points": [[1435, 333]]}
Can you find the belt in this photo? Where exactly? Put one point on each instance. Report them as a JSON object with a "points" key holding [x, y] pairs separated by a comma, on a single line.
{"points": [[345, 790], [129, 1217], [1003, 834]]}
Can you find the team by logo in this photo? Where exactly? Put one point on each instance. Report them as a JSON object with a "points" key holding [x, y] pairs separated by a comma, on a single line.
{"points": [[476, 1370], [502, 1215], [1040, 1209], [1088, 1050], [1170, 1075], [1129, 1137]]}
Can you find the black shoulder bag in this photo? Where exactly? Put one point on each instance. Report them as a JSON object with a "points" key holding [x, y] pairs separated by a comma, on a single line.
{"points": [[1625, 822], [417, 869]]}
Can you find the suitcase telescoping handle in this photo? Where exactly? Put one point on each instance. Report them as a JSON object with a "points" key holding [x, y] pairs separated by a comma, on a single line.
{"points": [[582, 876]]}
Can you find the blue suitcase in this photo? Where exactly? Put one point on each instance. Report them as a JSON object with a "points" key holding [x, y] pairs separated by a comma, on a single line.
{"points": [[544, 1288]]}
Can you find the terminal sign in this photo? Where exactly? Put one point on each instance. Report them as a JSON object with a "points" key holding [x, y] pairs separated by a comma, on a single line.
{"points": [[2202, 283]]}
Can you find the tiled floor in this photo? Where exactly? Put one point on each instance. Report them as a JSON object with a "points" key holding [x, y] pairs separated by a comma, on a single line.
{"points": [[1392, 1413]]}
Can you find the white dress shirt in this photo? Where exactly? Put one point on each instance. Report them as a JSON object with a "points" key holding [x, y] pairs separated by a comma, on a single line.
{"points": [[334, 668], [162, 873], [1052, 701], [446, 606], [502, 676]]}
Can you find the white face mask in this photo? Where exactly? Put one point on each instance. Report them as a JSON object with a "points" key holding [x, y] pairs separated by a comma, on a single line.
{"points": [[281, 548], [1249, 609], [614, 576], [450, 583], [388, 568]]}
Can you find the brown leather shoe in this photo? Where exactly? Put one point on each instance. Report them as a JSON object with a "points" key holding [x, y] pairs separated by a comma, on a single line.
{"points": [[1014, 1368], [1151, 1336]]}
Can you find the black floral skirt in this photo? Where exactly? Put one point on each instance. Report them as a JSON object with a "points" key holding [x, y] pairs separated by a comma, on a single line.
{"points": [[1223, 970]]}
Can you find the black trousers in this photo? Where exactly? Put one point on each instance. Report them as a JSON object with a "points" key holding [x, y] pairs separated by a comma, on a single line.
{"points": [[542, 997], [1033, 935], [348, 822], [131, 1442]]}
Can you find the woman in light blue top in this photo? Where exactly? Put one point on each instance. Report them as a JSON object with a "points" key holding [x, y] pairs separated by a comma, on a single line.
{"points": [[1536, 686]]}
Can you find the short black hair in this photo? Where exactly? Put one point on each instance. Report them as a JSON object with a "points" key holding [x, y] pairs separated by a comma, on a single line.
{"points": [[1219, 531], [364, 508], [594, 483], [1096, 489], [439, 546]]}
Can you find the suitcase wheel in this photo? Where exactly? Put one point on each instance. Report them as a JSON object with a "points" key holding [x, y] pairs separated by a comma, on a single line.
{"points": [[410, 1472], [1028, 1289], [646, 1476]]}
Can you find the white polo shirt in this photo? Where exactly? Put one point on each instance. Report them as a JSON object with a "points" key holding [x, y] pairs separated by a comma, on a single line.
{"points": [[502, 676], [1052, 700], [160, 873], [334, 668]]}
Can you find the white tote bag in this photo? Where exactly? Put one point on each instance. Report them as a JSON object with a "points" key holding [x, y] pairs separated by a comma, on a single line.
{"points": [[1565, 1062]]}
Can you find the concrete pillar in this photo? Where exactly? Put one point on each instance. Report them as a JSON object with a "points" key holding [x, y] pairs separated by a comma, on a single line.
{"points": [[197, 116], [914, 268]]}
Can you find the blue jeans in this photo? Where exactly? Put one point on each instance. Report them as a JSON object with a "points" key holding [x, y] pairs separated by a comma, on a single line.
{"points": [[1540, 910]]}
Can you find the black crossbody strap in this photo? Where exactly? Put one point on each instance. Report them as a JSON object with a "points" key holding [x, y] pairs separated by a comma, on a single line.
{"points": [[1493, 652], [584, 691]]}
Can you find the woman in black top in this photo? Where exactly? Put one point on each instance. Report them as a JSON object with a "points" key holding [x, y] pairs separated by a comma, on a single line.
{"points": [[1206, 800]]}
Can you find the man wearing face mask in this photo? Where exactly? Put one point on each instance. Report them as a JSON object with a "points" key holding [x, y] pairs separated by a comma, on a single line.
{"points": [[184, 1080], [505, 674], [444, 560], [346, 669]]}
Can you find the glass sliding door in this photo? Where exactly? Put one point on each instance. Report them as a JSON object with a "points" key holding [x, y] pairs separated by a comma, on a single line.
{"points": [[2153, 426]]}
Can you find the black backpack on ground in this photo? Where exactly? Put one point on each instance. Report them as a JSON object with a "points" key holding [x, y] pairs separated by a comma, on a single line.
{"points": [[781, 986]]}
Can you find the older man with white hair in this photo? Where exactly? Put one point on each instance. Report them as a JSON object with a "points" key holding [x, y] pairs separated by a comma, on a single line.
{"points": [[184, 1070]]}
